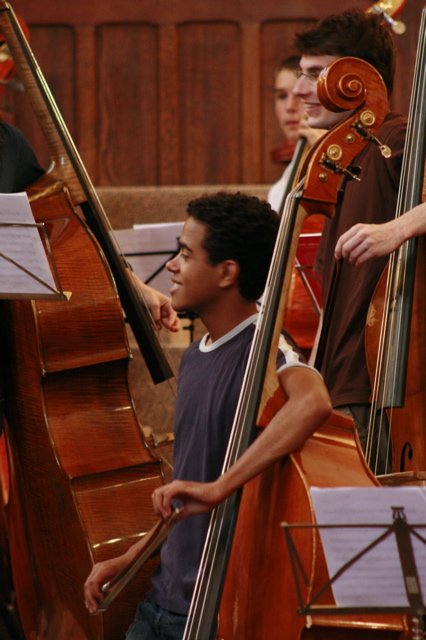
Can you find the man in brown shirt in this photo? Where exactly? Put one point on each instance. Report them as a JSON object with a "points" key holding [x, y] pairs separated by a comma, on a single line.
{"points": [[370, 201]]}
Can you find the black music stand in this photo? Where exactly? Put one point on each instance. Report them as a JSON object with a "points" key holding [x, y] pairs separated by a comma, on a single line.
{"points": [[402, 532]]}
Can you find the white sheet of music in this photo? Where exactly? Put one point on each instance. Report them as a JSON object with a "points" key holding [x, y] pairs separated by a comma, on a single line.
{"points": [[23, 245], [376, 579]]}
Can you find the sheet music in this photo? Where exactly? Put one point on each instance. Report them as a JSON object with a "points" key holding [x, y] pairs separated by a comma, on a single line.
{"points": [[376, 579], [24, 246]]}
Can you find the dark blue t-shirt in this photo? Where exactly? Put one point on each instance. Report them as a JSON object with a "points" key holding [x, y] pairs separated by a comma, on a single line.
{"points": [[209, 384]]}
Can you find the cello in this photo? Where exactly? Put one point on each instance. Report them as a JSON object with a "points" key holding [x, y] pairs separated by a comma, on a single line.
{"points": [[255, 558], [81, 472]]}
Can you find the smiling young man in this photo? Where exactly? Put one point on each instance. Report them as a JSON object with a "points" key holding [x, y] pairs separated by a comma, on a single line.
{"points": [[370, 201], [321, 45], [219, 273]]}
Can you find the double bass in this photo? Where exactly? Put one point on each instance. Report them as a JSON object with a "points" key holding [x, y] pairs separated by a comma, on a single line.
{"points": [[245, 573], [395, 337], [81, 473]]}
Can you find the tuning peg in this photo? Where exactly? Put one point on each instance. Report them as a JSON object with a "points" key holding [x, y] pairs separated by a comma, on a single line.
{"points": [[396, 26]]}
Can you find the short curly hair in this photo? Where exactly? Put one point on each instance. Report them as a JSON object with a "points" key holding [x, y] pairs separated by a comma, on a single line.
{"points": [[353, 33], [241, 228]]}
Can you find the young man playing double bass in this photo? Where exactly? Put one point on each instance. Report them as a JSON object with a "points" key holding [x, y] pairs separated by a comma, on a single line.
{"points": [[371, 201], [219, 273]]}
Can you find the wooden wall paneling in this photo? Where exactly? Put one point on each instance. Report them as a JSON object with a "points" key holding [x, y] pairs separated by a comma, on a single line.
{"points": [[158, 93], [168, 105], [406, 45], [277, 45], [127, 104], [209, 101], [251, 142], [174, 11], [54, 50], [86, 99]]}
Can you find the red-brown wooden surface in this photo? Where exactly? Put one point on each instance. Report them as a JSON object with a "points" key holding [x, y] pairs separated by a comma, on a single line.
{"points": [[176, 92]]}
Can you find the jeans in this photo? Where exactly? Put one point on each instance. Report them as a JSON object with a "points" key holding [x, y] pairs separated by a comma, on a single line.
{"points": [[154, 623]]}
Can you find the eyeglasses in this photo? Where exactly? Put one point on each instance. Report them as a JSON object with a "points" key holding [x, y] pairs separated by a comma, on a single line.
{"points": [[312, 76]]}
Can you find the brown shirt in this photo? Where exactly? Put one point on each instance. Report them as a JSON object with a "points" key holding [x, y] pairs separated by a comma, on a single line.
{"points": [[373, 200]]}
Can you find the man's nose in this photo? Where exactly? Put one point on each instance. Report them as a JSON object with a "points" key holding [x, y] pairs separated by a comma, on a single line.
{"points": [[171, 265], [300, 88]]}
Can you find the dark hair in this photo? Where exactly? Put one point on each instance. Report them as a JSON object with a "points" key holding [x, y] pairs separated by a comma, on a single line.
{"points": [[353, 33], [290, 63], [241, 228]]}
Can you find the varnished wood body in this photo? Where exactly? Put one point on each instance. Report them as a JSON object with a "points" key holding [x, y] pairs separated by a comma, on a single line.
{"points": [[260, 600], [81, 474], [395, 336], [408, 423]]}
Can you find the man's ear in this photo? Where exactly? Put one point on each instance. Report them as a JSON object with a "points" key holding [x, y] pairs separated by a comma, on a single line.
{"points": [[230, 271]]}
